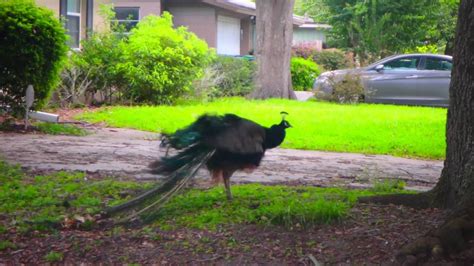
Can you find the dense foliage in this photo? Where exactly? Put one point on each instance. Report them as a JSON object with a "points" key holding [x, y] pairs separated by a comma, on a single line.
{"points": [[154, 63], [328, 59], [92, 70], [376, 28], [160, 62], [331, 59], [303, 73], [32, 49], [226, 76]]}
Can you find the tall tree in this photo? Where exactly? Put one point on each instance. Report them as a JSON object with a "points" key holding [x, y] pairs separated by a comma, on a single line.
{"points": [[456, 185], [442, 32], [378, 27], [315, 9], [455, 189], [273, 50]]}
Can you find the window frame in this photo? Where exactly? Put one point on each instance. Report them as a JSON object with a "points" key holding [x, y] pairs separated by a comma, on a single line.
{"points": [[75, 15], [119, 21]]}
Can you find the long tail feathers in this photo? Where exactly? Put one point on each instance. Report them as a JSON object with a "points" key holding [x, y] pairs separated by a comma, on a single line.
{"points": [[178, 169]]}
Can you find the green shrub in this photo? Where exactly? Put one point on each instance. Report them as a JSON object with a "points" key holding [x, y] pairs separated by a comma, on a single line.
{"points": [[331, 59], [238, 76], [93, 69], [347, 88], [160, 62], [32, 49], [97, 62], [303, 73], [305, 50], [226, 77]]}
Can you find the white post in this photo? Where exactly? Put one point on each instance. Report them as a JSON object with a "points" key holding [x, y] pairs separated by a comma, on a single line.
{"points": [[30, 97]]}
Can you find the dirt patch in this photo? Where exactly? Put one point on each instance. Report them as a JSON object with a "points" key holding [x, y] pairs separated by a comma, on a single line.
{"points": [[370, 235]]}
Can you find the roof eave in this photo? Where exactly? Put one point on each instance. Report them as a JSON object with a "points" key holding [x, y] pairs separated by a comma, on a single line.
{"points": [[232, 7]]}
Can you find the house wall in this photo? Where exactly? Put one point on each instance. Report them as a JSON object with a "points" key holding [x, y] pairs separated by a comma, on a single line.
{"points": [[51, 4], [98, 21], [246, 38], [308, 35], [200, 19]]}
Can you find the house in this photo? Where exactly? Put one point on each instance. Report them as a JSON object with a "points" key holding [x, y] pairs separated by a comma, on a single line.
{"points": [[83, 16], [226, 25], [310, 32]]}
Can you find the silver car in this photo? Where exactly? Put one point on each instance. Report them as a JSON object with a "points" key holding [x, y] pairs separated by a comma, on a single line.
{"points": [[415, 79]]}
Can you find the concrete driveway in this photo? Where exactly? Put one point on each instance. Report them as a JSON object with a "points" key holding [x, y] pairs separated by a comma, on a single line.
{"points": [[124, 152]]}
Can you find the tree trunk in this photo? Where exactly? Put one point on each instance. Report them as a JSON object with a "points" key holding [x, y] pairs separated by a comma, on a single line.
{"points": [[455, 189], [449, 49], [273, 49], [456, 185]]}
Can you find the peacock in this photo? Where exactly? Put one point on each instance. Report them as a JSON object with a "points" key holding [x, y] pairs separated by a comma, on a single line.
{"points": [[222, 143]]}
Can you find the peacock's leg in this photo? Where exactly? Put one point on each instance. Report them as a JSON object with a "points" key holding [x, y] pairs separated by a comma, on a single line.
{"points": [[217, 176], [226, 176]]}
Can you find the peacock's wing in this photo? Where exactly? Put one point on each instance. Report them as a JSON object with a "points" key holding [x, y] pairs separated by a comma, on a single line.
{"points": [[237, 135]]}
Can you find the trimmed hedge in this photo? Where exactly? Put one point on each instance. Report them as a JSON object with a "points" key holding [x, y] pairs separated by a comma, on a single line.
{"points": [[32, 51]]}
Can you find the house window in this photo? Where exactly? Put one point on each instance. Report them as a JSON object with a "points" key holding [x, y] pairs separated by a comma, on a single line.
{"points": [[73, 22], [127, 16]]}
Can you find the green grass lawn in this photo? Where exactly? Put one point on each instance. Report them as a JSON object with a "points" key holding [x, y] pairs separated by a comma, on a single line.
{"points": [[44, 202], [365, 128]]}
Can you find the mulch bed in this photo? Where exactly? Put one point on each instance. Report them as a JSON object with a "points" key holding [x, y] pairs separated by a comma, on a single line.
{"points": [[371, 234]]}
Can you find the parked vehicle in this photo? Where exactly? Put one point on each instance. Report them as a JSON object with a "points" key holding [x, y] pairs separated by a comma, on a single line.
{"points": [[415, 79]]}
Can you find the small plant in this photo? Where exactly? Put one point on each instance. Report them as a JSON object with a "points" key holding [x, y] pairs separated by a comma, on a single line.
{"points": [[389, 185], [303, 73], [60, 129], [5, 244], [345, 89], [54, 256], [76, 82]]}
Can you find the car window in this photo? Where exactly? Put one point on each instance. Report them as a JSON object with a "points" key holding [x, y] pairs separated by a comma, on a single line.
{"points": [[405, 63], [433, 63]]}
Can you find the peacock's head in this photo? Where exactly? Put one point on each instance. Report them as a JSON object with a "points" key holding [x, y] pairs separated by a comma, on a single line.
{"points": [[284, 123]]}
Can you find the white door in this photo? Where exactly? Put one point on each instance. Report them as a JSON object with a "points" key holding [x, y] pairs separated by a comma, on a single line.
{"points": [[228, 35]]}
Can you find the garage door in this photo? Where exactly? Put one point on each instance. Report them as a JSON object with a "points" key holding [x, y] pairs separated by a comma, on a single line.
{"points": [[228, 35]]}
